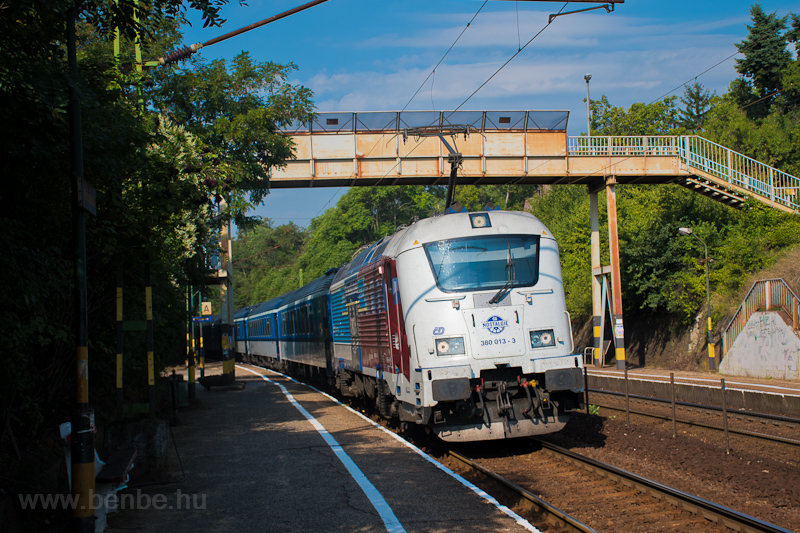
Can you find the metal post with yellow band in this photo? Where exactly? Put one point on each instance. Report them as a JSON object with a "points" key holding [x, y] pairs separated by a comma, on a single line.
{"points": [[226, 297], [82, 425], [148, 302], [190, 341], [202, 353], [616, 275], [597, 300], [120, 333], [712, 357]]}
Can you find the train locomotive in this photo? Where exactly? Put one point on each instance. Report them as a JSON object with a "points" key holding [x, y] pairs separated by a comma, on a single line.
{"points": [[457, 323]]}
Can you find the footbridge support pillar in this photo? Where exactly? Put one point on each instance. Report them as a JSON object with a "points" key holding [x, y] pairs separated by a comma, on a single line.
{"points": [[600, 289]]}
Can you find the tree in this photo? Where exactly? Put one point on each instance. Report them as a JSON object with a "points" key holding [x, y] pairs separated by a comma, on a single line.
{"points": [[507, 197], [264, 256], [658, 118], [765, 58], [697, 102], [361, 216], [235, 112]]}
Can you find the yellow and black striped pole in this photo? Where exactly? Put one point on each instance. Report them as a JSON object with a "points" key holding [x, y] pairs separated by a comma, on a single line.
{"points": [[120, 334], [226, 295], [190, 341], [148, 298], [82, 434], [202, 353], [597, 298], [616, 274]]}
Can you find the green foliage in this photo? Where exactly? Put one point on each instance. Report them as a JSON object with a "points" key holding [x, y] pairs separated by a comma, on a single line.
{"points": [[264, 262], [658, 118], [564, 209], [697, 102], [507, 197], [275, 256], [765, 59], [754, 241], [235, 112], [152, 174], [360, 217]]}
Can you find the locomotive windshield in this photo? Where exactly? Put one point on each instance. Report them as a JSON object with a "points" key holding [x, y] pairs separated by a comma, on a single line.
{"points": [[482, 263]]}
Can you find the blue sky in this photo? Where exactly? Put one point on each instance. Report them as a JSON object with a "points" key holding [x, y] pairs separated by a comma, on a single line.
{"points": [[373, 55]]}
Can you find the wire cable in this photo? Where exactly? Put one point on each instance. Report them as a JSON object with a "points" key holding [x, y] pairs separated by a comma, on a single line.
{"points": [[431, 74], [445, 55], [510, 59], [694, 78]]}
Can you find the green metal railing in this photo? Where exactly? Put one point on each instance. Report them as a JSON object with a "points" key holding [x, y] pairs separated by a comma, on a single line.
{"points": [[764, 295], [769, 185]]}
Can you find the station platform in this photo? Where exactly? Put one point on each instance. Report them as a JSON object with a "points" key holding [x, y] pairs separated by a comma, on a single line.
{"points": [[281, 456], [770, 396]]}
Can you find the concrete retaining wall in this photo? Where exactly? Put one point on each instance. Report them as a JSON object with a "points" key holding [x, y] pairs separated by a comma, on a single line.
{"points": [[760, 402], [765, 348]]}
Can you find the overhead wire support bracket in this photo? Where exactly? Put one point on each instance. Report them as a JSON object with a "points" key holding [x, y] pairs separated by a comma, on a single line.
{"points": [[608, 7], [454, 158]]}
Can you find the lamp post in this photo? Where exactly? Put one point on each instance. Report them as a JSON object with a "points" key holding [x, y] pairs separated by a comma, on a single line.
{"points": [[711, 360], [588, 77]]}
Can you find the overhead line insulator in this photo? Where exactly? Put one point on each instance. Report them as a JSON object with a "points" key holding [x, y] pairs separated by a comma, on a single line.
{"points": [[179, 54]]}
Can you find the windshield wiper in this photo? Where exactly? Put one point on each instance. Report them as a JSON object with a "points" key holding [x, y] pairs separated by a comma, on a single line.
{"points": [[505, 289]]}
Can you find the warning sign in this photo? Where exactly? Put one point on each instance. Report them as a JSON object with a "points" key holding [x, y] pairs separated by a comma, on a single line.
{"points": [[205, 308]]}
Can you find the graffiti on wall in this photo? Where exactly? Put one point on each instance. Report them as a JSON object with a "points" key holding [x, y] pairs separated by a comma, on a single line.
{"points": [[766, 347]]}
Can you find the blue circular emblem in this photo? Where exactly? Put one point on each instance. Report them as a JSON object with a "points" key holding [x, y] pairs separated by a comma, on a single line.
{"points": [[495, 324]]}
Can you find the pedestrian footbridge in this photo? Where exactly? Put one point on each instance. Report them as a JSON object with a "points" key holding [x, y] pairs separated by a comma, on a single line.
{"points": [[526, 147]]}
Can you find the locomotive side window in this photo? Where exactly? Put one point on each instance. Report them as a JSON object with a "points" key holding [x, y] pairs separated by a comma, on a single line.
{"points": [[484, 263]]}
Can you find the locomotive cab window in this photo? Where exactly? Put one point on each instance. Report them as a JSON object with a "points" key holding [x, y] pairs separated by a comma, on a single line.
{"points": [[484, 263]]}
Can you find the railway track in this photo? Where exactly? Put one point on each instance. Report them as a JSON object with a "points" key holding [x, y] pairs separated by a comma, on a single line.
{"points": [[575, 493], [660, 409]]}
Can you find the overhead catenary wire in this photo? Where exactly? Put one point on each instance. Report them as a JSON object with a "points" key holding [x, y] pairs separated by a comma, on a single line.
{"points": [[693, 78], [431, 74], [520, 49], [444, 56], [510, 59]]}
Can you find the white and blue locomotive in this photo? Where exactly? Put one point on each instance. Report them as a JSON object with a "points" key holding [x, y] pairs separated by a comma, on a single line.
{"points": [[457, 322]]}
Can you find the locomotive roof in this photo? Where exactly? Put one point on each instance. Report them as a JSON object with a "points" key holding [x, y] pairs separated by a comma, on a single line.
{"points": [[457, 225], [442, 227]]}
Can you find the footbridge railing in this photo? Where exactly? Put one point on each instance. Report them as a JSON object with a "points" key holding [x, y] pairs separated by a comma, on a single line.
{"points": [[770, 185], [764, 295]]}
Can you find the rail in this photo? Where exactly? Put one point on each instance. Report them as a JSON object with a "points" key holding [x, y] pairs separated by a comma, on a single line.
{"points": [[710, 510], [765, 294], [768, 184]]}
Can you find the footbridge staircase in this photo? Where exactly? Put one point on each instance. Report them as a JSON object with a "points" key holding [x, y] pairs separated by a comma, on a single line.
{"points": [[762, 339], [531, 147]]}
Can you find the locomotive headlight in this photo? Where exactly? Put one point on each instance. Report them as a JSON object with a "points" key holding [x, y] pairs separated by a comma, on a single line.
{"points": [[480, 220], [542, 338], [451, 346]]}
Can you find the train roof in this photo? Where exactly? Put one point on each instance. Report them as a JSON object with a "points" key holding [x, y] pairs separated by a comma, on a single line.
{"points": [[269, 305], [369, 255], [319, 285]]}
